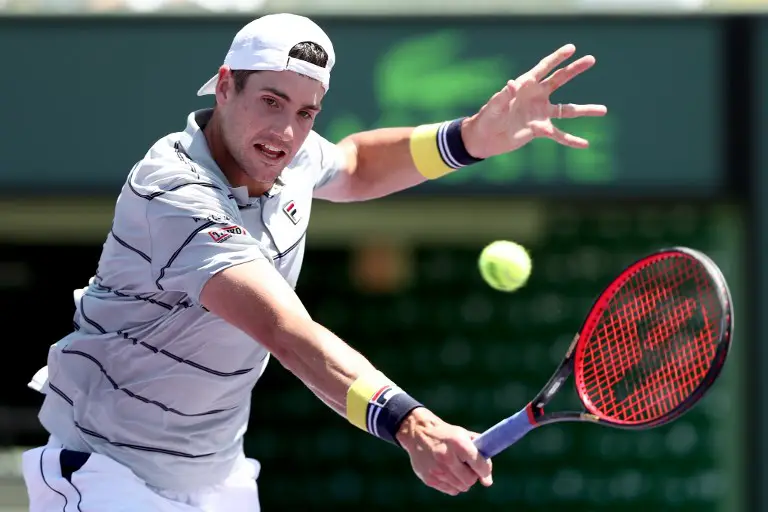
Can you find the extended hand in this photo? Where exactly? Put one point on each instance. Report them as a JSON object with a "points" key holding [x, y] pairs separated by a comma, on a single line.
{"points": [[443, 456], [521, 111]]}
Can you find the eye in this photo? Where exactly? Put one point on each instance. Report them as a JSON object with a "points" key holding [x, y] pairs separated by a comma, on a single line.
{"points": [[272, 102], [306, 115]]}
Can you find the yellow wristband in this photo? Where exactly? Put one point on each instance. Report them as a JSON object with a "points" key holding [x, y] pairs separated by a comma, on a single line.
{"points": [[438, 149], [360, 394], [377, 406], [425, 152]]}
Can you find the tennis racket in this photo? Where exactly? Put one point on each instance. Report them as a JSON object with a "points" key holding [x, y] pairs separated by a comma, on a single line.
{"points": [[649, 350]]}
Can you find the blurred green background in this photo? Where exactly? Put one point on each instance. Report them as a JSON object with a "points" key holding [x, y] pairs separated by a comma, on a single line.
{"points": [[680, 160]]}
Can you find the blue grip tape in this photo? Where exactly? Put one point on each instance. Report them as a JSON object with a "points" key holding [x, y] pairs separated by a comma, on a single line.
{"points": [[504, 434]]}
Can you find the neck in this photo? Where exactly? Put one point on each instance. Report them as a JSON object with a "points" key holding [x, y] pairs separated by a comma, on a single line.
{"points": [[223, 158]]}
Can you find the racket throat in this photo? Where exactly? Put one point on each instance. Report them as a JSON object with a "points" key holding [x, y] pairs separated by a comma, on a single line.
{"points": [[534, 413]]}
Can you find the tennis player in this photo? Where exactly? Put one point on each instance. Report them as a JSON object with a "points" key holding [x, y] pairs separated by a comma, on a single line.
{"points": [[147, 400]]}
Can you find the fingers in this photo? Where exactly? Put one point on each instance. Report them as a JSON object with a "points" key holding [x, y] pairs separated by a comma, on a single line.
{"points": [[569, 111], [447, 459], [452, 478], [445, 489], [472, 461], [566, 139], [499, 102], [451, 470], [568, 73], [438, 480], [481, 467], [550, 62], [487, 481], [464, 475], [448, 479]]}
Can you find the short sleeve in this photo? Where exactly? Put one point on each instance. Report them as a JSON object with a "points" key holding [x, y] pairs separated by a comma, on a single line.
{"points": [[195, 233], [329, 156]]}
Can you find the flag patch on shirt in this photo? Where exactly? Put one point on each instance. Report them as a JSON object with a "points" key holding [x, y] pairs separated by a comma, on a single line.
{"points": [[222, 234], [291, 212]]}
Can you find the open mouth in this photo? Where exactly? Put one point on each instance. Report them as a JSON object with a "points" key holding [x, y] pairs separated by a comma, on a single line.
{"points": [[270, 152]]}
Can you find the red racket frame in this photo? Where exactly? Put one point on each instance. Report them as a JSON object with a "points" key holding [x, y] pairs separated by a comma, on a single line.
{"points": [[535, 408]]}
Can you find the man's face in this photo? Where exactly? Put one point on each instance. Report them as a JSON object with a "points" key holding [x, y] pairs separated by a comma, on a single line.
{"points": [[265, 124]]}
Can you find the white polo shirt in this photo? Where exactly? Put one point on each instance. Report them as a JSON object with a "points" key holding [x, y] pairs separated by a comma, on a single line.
{"points": [[149, 377]]}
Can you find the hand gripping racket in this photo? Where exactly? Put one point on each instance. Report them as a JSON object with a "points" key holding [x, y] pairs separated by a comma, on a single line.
{"points": [[649, 350]]}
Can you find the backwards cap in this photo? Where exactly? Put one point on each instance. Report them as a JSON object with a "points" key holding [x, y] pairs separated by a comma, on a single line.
{"points": [[264, 44]]}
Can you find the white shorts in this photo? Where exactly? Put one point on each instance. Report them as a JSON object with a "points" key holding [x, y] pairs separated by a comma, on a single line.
{"points": [[61, 480]]}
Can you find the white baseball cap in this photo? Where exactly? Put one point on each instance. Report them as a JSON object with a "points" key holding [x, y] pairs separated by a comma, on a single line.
{"points": [[264, 44]]}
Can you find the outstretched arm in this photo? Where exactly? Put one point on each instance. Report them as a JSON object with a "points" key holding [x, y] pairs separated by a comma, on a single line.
{"points": [[254, 297], [384, 161]]}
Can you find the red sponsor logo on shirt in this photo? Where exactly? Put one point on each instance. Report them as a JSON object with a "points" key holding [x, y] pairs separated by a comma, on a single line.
{"points": [[221, 234]]}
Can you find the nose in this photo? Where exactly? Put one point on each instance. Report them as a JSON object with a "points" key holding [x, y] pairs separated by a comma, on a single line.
{"points": [[283, 130], [287, 134]]}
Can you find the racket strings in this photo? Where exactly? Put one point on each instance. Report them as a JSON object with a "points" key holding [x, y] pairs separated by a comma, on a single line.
{"points": [[654, 342]]}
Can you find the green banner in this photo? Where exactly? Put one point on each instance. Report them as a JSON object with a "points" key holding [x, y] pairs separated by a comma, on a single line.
{"points": [[86, 98]]}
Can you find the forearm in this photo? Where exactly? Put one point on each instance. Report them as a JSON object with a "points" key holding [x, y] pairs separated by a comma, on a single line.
{"points": [[388, 160], [256, 299], [322, 361], [380, 164], [342, 378]]}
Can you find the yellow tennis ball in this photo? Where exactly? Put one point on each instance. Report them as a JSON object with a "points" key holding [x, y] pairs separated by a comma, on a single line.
{"points": [[505, 265]]}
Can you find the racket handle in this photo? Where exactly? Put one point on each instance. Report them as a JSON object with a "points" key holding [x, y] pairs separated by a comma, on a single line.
{"points": [[504, 434]]}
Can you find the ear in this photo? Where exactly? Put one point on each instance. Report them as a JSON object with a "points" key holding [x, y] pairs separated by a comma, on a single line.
{"points": [[226, 84]]}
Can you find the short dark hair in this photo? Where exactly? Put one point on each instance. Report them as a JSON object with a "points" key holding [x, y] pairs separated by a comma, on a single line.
{"points": [[306, 51]]}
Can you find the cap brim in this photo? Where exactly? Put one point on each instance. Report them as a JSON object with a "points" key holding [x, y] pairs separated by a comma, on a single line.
{"points": [[209, 87]]}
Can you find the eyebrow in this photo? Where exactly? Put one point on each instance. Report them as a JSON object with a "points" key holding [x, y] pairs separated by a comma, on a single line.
{"points": [[284, 96]]}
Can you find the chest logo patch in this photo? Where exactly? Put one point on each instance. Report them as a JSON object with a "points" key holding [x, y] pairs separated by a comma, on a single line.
{"points": [[292, 212]]}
